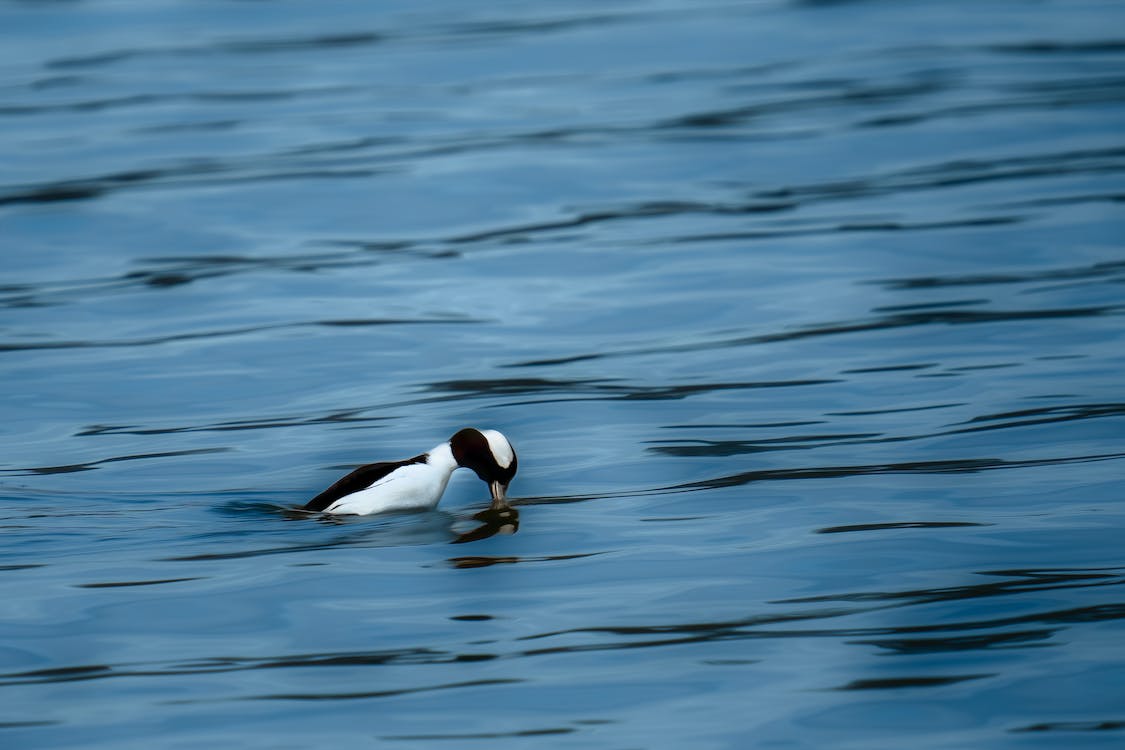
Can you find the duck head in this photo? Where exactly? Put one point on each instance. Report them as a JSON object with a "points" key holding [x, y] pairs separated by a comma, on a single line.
{"points": [[489, 454]]}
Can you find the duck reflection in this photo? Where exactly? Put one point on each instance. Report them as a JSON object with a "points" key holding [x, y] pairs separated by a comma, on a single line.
{"points": [[496, 519], [402, 527]]}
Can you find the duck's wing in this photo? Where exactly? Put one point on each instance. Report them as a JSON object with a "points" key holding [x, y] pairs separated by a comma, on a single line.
{"points": [[360, 479]]}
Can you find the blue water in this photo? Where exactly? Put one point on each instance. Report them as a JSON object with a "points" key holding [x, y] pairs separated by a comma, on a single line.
{"points": [[806, 319]]}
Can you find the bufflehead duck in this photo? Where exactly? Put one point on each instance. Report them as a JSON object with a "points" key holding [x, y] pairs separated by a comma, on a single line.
{"points": [[419, 482]]}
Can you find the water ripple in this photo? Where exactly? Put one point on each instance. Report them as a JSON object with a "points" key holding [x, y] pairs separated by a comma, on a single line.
{"points": [[1073, 726], [881, 323], [945, 466], [899, 638], [91, 465], [1053, 414], [14, 346], [356, 415]]}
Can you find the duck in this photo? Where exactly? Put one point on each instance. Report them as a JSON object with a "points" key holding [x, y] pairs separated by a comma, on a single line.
{"points": [[418, 483]]}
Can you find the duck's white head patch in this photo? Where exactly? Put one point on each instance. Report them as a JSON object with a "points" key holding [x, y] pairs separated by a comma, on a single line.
{"points": [[501, 449]]}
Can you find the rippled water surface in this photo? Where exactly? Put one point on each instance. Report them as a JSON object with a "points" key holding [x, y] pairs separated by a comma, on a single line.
{"points": [[806, 319]]}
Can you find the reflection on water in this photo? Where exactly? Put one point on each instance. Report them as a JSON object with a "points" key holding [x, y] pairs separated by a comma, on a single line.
{"points": [[493, 521], [679, 253]]}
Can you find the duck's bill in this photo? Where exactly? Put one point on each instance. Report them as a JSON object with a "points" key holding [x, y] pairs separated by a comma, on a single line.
{"points": [[499, 494]]}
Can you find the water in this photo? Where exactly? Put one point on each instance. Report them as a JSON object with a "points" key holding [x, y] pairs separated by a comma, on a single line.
{"points": [[805, 317]]}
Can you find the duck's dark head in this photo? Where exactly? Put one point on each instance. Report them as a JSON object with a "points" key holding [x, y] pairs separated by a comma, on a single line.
{"points": [[490, 455]]}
